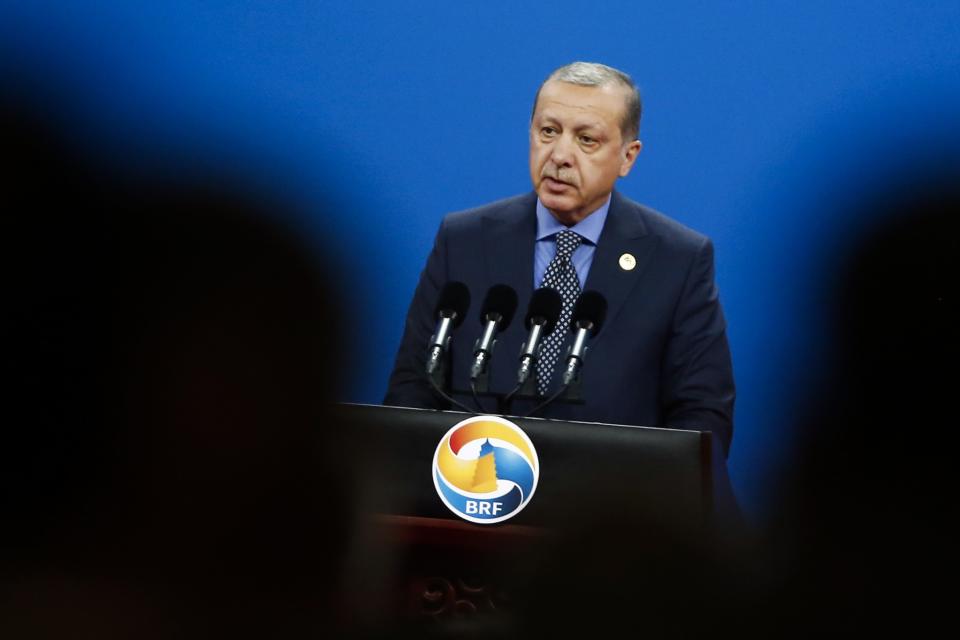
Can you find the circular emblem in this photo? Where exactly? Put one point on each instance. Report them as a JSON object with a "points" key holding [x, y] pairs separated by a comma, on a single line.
{"points": [[485, 469], [627, 262]]}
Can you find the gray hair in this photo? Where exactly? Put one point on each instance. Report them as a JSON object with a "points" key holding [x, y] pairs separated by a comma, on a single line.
{"points": [[594, 74]]}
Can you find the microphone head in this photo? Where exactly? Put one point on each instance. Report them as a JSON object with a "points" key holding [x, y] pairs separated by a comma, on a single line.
{"points": [[589, 312], [545, 305], [502, 301], [454, 300]]}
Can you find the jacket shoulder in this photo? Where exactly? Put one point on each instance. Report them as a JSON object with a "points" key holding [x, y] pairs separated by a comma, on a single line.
{"points": [[671, 233], [513, 207]]}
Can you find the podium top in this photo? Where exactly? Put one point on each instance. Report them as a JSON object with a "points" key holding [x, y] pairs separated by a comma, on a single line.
{"points": [[585, 468]]}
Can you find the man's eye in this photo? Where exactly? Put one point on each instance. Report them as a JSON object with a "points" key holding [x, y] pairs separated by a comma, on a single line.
{"points": [[587, 140], [548, 131]]}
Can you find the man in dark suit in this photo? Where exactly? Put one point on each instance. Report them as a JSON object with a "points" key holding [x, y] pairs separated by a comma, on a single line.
{"points": [[661, 357]]}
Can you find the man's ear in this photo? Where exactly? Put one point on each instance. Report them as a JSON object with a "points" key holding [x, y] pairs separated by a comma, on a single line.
{"points": [[630, 153]]}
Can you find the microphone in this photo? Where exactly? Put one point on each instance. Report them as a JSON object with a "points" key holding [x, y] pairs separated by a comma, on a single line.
{"points": [[496, 314], [586, 320], [451, 309], [542, 316]]}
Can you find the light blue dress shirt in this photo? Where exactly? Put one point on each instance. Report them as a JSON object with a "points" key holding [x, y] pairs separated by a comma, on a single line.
{"points": [[546, 246]]}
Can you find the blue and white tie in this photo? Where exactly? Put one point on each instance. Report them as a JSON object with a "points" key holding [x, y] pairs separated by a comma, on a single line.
{"points": [[561, 276]]}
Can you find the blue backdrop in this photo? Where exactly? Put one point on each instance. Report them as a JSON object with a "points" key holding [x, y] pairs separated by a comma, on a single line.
{"points": [[763, 122]]}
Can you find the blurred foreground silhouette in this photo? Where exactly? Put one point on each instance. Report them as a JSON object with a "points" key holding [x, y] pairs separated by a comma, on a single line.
{"points": [[866, 520], [171, 352]]}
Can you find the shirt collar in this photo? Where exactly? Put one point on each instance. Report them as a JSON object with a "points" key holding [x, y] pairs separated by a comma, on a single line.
{"points": [[589, 228]]}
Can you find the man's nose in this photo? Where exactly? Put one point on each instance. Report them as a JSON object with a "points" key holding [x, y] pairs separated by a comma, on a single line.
{"points": [[562, 151]]}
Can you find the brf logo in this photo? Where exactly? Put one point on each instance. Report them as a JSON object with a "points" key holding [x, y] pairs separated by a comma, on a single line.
{"points": [[485, 469]]}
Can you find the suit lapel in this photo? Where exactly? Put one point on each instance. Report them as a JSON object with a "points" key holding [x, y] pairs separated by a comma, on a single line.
{"points": [[508, 237], [623, 233]]}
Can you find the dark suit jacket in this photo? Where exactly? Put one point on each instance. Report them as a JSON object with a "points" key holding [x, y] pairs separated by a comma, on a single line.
{"points": [[661, 357]]}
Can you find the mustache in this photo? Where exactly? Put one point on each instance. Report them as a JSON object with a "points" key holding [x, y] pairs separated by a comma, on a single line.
{"points": [[554, 173]]}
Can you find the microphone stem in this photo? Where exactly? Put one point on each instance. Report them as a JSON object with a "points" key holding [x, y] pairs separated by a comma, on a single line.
{"points": [[439, 342], [579, 343], [576, 354], [528, 358], [483, 348]]}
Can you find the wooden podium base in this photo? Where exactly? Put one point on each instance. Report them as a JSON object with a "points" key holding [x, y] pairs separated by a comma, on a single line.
{"points": [[417, 570]]}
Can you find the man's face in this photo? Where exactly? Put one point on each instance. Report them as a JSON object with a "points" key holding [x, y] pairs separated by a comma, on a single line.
{"points": [[576, 149]]}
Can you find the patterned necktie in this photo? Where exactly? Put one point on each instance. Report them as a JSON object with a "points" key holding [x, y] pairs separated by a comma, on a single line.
{"points": [[561, 276]]}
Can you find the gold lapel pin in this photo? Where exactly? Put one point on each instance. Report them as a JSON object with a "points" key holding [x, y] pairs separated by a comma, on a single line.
{"points": [[627, 262]]}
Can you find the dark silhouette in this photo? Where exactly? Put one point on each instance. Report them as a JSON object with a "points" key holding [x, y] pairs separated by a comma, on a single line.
{"points": [[168, 466], [863, 529]]}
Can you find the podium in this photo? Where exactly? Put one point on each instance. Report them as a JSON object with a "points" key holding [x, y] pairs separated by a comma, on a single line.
{"points": [[411, 556]]}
